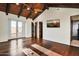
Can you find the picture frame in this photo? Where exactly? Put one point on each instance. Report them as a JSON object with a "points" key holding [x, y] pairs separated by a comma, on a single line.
{"points": [[54, 23]]}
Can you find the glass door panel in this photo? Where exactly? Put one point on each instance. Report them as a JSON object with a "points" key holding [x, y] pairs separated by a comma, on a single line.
{"points": [[17, 29], [20, 29], [13, 29]]}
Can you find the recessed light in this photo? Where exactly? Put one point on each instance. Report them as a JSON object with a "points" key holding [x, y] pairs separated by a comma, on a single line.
{"points": [[28, 8], [35, 12], [17, 3], [38, 10]]}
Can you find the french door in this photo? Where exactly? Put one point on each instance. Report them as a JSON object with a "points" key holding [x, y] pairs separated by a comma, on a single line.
{"points": [[17, 29]]}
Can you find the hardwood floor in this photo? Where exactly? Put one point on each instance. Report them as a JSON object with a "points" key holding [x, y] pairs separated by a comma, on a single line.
{"points": [[15, 47]]}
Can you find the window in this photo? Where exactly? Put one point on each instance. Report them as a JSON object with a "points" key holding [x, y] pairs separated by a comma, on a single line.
{"points": [[16, 28]]}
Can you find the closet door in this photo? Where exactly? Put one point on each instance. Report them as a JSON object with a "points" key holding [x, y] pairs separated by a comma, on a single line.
{"points": [[36, 30], [40, 30], [32, 29]]}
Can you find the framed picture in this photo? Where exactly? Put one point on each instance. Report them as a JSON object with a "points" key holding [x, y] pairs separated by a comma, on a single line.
{"points": [[55, 23]]}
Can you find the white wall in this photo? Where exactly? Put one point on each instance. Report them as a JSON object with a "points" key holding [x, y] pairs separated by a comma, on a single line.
{"points": [[62, 34], [4, 28], [28, 34]]}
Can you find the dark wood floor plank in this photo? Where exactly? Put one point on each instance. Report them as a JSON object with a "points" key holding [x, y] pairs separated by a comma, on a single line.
{"points": [[13, 47]]}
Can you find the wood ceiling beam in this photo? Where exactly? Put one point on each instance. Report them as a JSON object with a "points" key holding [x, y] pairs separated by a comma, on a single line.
{"points": [[64, 5], [36, 16], [29, 14], [45, 7], [7, 8], [31, 10], [21, 10], [39, 14]]}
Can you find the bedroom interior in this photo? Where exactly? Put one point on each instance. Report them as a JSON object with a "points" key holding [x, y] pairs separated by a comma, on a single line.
{"points": [[39, 29]]}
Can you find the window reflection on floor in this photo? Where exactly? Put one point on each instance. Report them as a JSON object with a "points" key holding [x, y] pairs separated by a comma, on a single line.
{"points": [[16, 47], [75, 43]]}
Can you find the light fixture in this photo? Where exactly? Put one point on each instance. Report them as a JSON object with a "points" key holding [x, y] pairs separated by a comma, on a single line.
{"points": [[38, 10], [28, 8], [35, 12], [17, 3]]}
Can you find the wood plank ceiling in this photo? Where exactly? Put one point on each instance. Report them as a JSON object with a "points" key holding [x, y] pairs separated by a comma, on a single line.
{"points": [[32, 10], [28, 10]]}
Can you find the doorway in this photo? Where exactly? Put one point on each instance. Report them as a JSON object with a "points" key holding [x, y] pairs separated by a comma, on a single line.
{"points": [[16, 29], [40, 30], [32, 30], [37, 30], [75, 30]]}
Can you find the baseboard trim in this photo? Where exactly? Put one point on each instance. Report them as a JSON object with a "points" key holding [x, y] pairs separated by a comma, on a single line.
{"points": [[3, 40], [58, 42], [17, 38]]}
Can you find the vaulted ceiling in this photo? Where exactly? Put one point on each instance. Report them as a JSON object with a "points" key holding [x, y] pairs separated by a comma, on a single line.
{"points": [[28, 10], [32, 10]]}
